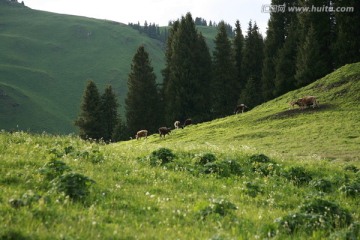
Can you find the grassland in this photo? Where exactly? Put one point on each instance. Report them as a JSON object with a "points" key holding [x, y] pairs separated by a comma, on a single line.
{"points": [[270, 173], [47, 58]]}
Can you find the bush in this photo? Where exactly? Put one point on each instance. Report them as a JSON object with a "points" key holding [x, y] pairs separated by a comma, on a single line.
{"points": [[298, 176], [351, 168], [351, 189], [316, 215], [252, 189], [322, 185], [260, 158], [74, 185], [53, 169], [161, 156], [205, 158], [224, 168], [219, 207]]}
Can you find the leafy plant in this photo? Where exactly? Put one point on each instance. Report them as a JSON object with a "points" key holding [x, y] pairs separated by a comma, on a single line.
{"points": [[224, 168], [298, 175], [161, 156], [74, 185], [204, 158], [321, 185], [252, 189], [53, 169], [218, 206], [318, 214]]}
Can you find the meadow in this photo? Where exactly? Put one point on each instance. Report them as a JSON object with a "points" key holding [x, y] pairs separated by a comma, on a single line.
{"points": [[272, 172]]}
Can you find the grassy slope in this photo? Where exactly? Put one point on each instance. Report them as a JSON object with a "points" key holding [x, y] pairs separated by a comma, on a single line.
{"points": [[47, 58], [133, 200], [329, 132]]}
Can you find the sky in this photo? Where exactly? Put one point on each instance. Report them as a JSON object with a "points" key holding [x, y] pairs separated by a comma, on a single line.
{"points": [[160, 11]]}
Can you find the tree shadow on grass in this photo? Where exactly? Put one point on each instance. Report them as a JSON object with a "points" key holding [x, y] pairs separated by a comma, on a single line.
{"points": [[293, 112]]}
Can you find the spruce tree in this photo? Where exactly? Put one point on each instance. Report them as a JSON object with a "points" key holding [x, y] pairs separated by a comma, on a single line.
{"points": [[309, 65], [321, 24], [109, 113], [252, 66], [183, 86], [238, 45], [142, 102], [285, 65], [224, 85], [89, 120], [347, 44]]}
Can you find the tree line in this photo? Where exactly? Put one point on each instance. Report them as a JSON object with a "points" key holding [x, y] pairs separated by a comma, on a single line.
{"points": [[299, 48]]}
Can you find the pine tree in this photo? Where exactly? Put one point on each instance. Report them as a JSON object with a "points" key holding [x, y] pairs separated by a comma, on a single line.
{"points": [[224, 85], [347, 45], [142, 102], [89, 119], [109, 113], [120, 132], [309, 65], [183, 86], [252, 66], [285, 66], [321, 25], [238, 45]]}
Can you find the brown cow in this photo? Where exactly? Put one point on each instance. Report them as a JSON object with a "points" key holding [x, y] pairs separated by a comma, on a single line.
{"points": [[240, 108], [141, 133], [306, 102], [164, 130]]}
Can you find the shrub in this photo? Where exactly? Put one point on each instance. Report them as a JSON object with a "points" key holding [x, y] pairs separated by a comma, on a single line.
{"points": [[351, 189], [322, 185], [53, 169], [161, 156], [74, 185], [316, 215], [265, 169], [223, 168], [351, 168], [260, 158], [205, 158], [298, 176], [252, 189], [219, 207]]}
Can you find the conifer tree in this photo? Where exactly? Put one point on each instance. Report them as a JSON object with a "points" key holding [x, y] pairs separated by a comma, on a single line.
{"points": [[321, 24], [142, 102], [89, 119], [252, 66], [285, 66], [347, 44], [309, 65], [109, 113], [224, 85], [183, 86], [238, 45]]}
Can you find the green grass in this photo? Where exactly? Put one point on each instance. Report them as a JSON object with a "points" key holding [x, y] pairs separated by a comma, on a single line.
{"points": [[47, 58], [216, 186]]}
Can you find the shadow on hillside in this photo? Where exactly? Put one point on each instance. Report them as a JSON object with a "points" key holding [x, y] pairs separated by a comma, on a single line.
{"points": [[297, 111]]}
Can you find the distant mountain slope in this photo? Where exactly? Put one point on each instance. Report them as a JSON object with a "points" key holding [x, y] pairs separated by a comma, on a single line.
{"points": [[47, 59], [331, 131]]}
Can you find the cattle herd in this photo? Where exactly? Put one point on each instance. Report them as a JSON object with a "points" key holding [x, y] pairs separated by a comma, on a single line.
{"points": [[304, 102]]}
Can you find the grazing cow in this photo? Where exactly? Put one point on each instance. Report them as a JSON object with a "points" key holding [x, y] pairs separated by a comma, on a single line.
{"points": [[240, 108], [187, 122], [306, 102], [141, 133], [164, 130], [177, 124]]}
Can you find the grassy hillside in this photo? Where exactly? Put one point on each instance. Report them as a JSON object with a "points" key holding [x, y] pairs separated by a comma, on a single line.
{"points": [[47, 59], [270, 173]]}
